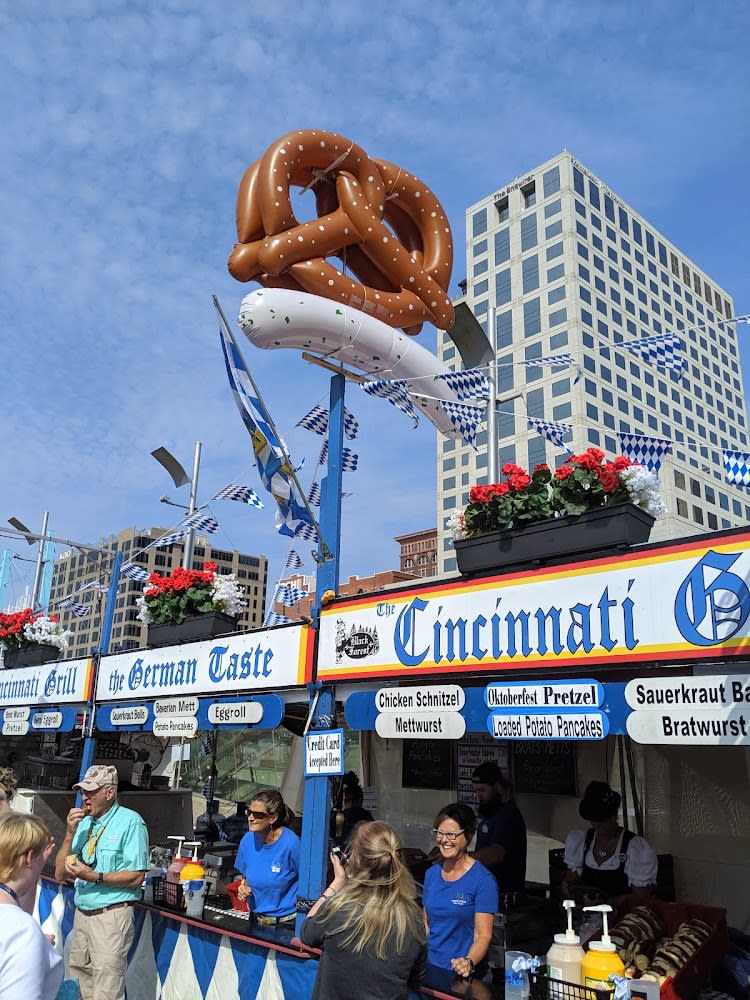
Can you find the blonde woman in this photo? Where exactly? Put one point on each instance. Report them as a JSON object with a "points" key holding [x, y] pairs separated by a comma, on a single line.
{"points": [[368, 923], [8, 785], [30, 968]]}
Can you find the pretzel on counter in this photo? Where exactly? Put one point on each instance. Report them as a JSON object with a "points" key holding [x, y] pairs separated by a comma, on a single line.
{"points": [[384, 223]]}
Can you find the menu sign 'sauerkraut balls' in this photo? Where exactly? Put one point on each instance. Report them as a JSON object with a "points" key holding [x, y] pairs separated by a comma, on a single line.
{"points": [[388, 226]]}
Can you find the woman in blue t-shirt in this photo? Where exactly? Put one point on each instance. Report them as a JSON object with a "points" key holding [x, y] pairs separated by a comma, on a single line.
{"points": [[268, 859], [460, 897]]}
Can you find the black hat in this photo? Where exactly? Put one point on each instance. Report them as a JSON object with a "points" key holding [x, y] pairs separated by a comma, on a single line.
{"points": [[599, 802]]}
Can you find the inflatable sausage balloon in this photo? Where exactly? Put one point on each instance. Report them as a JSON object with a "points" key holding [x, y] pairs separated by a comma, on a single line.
{"points": [[387, 230]]}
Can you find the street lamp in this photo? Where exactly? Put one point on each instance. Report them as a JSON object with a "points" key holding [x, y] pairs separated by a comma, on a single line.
{"points": [[180, 478], [20, 526]]}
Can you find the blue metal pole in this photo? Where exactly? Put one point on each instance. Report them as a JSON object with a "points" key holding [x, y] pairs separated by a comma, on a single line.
{"points": [[89, 744], [317, 799]]}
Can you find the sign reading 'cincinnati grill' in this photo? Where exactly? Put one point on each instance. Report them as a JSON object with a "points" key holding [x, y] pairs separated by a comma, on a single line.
{"points": [[685, 601]]}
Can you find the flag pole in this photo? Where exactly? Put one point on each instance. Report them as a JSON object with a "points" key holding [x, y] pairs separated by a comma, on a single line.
{"points": [[325, 551]]}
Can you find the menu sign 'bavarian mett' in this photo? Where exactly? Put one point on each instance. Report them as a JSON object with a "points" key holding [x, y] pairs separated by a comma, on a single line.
{"points": [[684, 601]]}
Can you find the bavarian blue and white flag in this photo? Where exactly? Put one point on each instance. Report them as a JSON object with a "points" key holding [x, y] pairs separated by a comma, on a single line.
{"points": [[552, 430], [471, 384], [275, 473], [395, 391], [134, 572], [243, 494], [466, 418], [169, 539], [737, 465], [644, 450], [272, 618], [349, 458], [79, 610], [288, 595], [662, 351], [317, 422], [293, 560], [96, 585], [314, 495], [202, 522], [307, 532]]}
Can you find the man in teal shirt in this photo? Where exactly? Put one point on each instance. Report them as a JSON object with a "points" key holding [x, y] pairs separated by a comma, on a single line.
{"points": [[105, 850]]}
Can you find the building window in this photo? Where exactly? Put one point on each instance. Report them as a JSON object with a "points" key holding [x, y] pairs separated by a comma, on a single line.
{"points": [[578, 182], [551, 182], [528, 194], [530, 273], [502, 287], [528, 232], [682, 508], [502, 246], [697, 515], [679, 479], [504, 329], [503, 212], [532, 318], [479, 222]]}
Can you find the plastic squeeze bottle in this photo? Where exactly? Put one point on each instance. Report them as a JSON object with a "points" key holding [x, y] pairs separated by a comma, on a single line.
{"points": [[192, 879], [177, 863], [193, 869], [565, 956], [601, 960]]}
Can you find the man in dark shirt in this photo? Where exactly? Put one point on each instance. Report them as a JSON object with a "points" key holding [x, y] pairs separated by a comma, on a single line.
{"points": [[501, 830]]}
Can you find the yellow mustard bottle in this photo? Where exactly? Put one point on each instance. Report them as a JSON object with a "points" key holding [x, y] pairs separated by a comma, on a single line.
{"points": [[601, 960]]}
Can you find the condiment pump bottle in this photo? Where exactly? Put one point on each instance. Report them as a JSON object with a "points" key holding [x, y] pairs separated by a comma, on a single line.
{"points": [[565, 956], [601, 960]]}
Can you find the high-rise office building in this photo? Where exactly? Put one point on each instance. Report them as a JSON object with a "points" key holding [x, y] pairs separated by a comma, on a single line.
{"points": [[571, 268], [75, 569]]}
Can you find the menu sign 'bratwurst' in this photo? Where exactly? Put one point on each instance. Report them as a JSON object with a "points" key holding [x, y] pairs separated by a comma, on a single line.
{"points": [[708, 711]]}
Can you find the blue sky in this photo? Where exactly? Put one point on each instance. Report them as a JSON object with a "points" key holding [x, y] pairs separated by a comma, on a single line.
{"points": [[127, 128]]}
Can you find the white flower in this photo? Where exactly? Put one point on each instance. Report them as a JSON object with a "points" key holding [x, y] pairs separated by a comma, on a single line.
{"points": [[455, 524], [643, 487], [47, 632], [143, 614], [227, 594]]}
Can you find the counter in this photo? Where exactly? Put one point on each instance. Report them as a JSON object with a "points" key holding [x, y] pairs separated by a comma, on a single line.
{"points": [[174, 956]]}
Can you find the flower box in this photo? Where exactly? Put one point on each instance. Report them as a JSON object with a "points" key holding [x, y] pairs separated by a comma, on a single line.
{"points": [[194, 628], [30, 656], [606, 529]]}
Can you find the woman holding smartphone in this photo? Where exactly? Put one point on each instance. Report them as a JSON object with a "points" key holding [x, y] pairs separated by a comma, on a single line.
{"points": [[368, 920], [460, 897], [268, 860]]}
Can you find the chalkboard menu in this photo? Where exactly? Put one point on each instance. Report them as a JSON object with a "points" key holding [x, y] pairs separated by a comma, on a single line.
{"points": [[546, 767], [474, 749], [427, 764]]}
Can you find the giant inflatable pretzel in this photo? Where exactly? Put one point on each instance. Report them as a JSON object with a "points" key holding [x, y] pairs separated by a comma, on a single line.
{"points": [[386, 227]]}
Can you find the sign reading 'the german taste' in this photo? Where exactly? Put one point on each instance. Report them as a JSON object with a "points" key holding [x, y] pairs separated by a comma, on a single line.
{"points": [[708, 711]]}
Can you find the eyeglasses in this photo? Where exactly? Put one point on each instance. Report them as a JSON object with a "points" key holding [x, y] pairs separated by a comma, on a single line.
{"points": [[448, 835], [254, 814]]}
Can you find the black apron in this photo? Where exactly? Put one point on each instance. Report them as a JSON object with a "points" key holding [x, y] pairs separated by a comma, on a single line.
{"points": [[613, 882]]}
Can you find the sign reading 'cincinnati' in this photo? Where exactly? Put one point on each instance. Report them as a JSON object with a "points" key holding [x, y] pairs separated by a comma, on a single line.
{"points": [[681, 602], [250, 661]]}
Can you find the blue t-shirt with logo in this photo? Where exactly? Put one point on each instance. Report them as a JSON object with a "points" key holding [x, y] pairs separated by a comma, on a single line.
{"points": [[450, 909], [271, 871]]}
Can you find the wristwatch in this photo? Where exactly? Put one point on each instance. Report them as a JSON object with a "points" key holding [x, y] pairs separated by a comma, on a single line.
{"points": [[100, 878]]}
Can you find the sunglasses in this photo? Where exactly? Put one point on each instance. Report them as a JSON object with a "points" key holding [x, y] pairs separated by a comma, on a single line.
{"points": [[254, 814]]}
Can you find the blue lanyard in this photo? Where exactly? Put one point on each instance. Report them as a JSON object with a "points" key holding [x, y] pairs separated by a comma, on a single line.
{"points": [[11, 892]]}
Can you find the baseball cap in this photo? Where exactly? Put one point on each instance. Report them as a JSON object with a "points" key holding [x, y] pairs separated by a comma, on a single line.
{"points": [[97, 776]]}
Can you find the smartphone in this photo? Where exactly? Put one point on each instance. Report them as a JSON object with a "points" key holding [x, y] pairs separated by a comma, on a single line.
{"points": [[340, 855]]}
